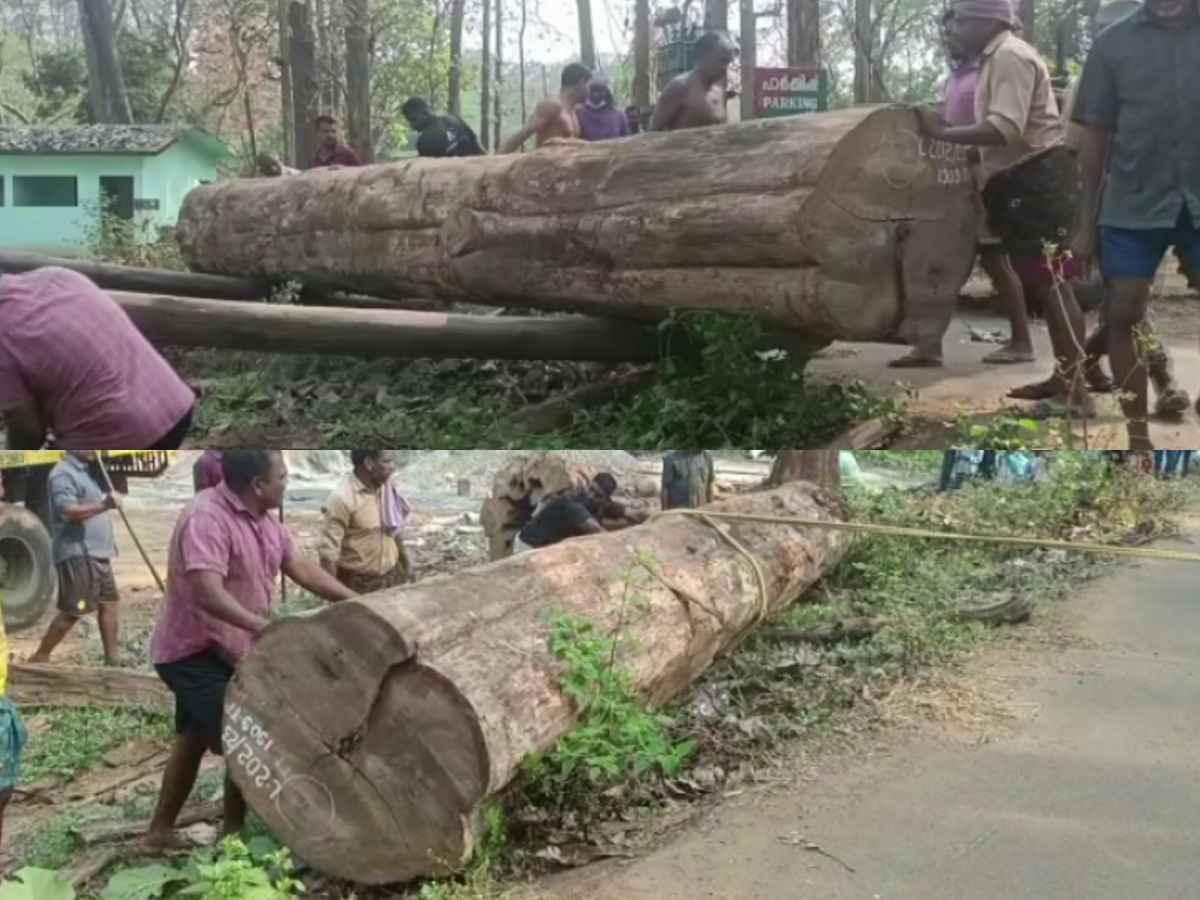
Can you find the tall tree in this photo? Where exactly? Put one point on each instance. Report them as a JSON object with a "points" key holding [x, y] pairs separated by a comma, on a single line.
{"points": [[862, 51], [821, 467], [716, 15], [804, 33], [498, 87], [485, 93], [106, 82], [641, 54], [358, 77], [521, 55], [587, 36], [1027, 10], [454, 86], [748, 55], [284, 61]]}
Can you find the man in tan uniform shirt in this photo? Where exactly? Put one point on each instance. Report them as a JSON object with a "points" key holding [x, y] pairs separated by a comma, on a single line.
{"points": [[358, 544], [1028, 178]]}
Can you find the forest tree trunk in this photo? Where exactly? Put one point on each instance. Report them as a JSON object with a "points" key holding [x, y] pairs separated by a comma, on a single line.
{"points": [[358, 78], [454, 86], [106, 81], [587, 35], [821, 467]]}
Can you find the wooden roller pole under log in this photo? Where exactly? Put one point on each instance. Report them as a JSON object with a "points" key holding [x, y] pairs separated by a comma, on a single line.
{"points": [[845, 225], [371, 735], [278, 328]]}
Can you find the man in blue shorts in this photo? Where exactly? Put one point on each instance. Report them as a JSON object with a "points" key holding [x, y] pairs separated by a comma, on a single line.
{"points": [[1139, 107]]}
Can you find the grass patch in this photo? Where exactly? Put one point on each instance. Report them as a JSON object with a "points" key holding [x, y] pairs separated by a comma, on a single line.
{"points": [[76, 739]]}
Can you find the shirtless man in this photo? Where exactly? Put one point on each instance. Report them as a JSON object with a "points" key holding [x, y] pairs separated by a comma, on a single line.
{"points": [[698, 98], [554, 120]]}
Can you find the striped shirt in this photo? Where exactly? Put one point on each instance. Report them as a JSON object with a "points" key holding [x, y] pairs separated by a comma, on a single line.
{"points": [[217, 533], [68, 350]]}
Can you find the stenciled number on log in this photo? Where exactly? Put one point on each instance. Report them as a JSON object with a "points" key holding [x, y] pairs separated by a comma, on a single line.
{"points": [[246, 743], [248, 746], [950, 177]]}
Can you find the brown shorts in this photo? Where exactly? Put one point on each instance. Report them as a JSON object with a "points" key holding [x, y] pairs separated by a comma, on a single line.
{"points": [[83, 583], [367, 583]]}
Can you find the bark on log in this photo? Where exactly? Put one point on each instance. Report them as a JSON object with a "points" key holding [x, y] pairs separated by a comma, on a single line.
{"points": [[274, 328], [80, 686], [842, 225], [370, 735], [194, 284]]}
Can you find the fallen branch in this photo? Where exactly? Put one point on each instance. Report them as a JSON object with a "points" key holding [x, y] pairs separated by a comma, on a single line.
{"points": [[557, 412], [276, 328], [867, 436], [107, 831], [856, 629], [82, 686], [1014, 611]]}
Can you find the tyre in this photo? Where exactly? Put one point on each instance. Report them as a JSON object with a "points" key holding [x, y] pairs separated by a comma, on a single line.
{"points": [[27, 578]]}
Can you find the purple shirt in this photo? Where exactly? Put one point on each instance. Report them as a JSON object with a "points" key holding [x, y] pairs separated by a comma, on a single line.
{"points": [[67, 349], [605, 124], [217, 533], [211, 472], [959, 93]]}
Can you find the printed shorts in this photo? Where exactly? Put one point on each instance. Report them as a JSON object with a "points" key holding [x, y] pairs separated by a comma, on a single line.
{"points": [[83, 584], [12, 742]]}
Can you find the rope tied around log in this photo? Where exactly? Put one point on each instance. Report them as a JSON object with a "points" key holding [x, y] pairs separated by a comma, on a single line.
{"points": [[709, 516]]}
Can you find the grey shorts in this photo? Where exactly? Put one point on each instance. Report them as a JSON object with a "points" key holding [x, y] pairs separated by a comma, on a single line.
{"points": [[83, 584]]}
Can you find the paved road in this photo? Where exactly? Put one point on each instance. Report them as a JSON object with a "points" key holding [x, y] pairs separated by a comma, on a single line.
{"points": [[1094, 795]]}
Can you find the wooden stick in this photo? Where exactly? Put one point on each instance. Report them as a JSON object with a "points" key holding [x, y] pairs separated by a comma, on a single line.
{"points": [[129, 525]]}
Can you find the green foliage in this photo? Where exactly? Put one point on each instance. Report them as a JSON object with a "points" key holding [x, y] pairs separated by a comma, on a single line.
{"points": [[77, 738], [146, 63], [732, 396], [1002, 433], [234, 871], [617, 737], [57, 84], [37, 884]]}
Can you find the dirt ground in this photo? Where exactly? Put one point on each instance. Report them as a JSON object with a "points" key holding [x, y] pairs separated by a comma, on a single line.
{"points": [[965, 386]]}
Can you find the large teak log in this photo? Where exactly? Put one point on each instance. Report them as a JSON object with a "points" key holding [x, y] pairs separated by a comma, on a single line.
{"points": [[370, 735], [276, 328], [843, 225]]}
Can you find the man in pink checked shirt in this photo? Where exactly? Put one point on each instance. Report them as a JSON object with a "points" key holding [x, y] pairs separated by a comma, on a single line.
{"points": [[73, 367], [226, 555]]}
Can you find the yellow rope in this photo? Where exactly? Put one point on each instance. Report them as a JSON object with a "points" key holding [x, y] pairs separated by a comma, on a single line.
{"points": [[712, 517], [899, 531]]}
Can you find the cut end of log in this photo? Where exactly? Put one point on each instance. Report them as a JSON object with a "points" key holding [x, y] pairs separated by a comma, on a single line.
{"points": [[329, 749]]}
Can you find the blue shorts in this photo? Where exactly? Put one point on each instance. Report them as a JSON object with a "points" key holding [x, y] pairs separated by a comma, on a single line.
{"points": [[12, 742], [1137, 253]]}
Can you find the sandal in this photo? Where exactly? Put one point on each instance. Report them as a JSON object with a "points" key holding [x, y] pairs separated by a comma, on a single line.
{"points": [[1041, 390], [1008, 357], [916, 362]]}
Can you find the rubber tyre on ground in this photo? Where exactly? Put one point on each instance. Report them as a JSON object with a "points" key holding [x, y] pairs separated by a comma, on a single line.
{"points": [[28, 582]]}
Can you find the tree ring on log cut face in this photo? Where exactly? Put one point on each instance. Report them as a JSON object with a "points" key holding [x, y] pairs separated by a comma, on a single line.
{"points": [[365, 747]]}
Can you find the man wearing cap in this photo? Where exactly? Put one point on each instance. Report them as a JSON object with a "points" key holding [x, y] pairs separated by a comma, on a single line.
{"points": [[1138, 104], [1028, 177]]}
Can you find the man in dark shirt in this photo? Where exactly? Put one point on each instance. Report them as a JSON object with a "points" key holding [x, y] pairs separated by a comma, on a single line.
{"points": [[1139, 109], [575, 514], [440, 136], [331, 151], [687, 479]]}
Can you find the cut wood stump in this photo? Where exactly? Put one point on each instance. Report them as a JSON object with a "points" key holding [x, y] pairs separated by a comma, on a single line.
{"points": [[80, 686], [371, 735], [844, 225]]}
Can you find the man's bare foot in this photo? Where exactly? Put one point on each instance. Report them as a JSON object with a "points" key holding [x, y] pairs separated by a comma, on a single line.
{"points": [[38, 659], [1010, 354], [1141, 444], [114, 662], [917, 360], [160, 843]]}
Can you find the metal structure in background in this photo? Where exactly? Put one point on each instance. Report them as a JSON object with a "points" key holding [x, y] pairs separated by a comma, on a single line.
{"points": [[678, 29]]}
